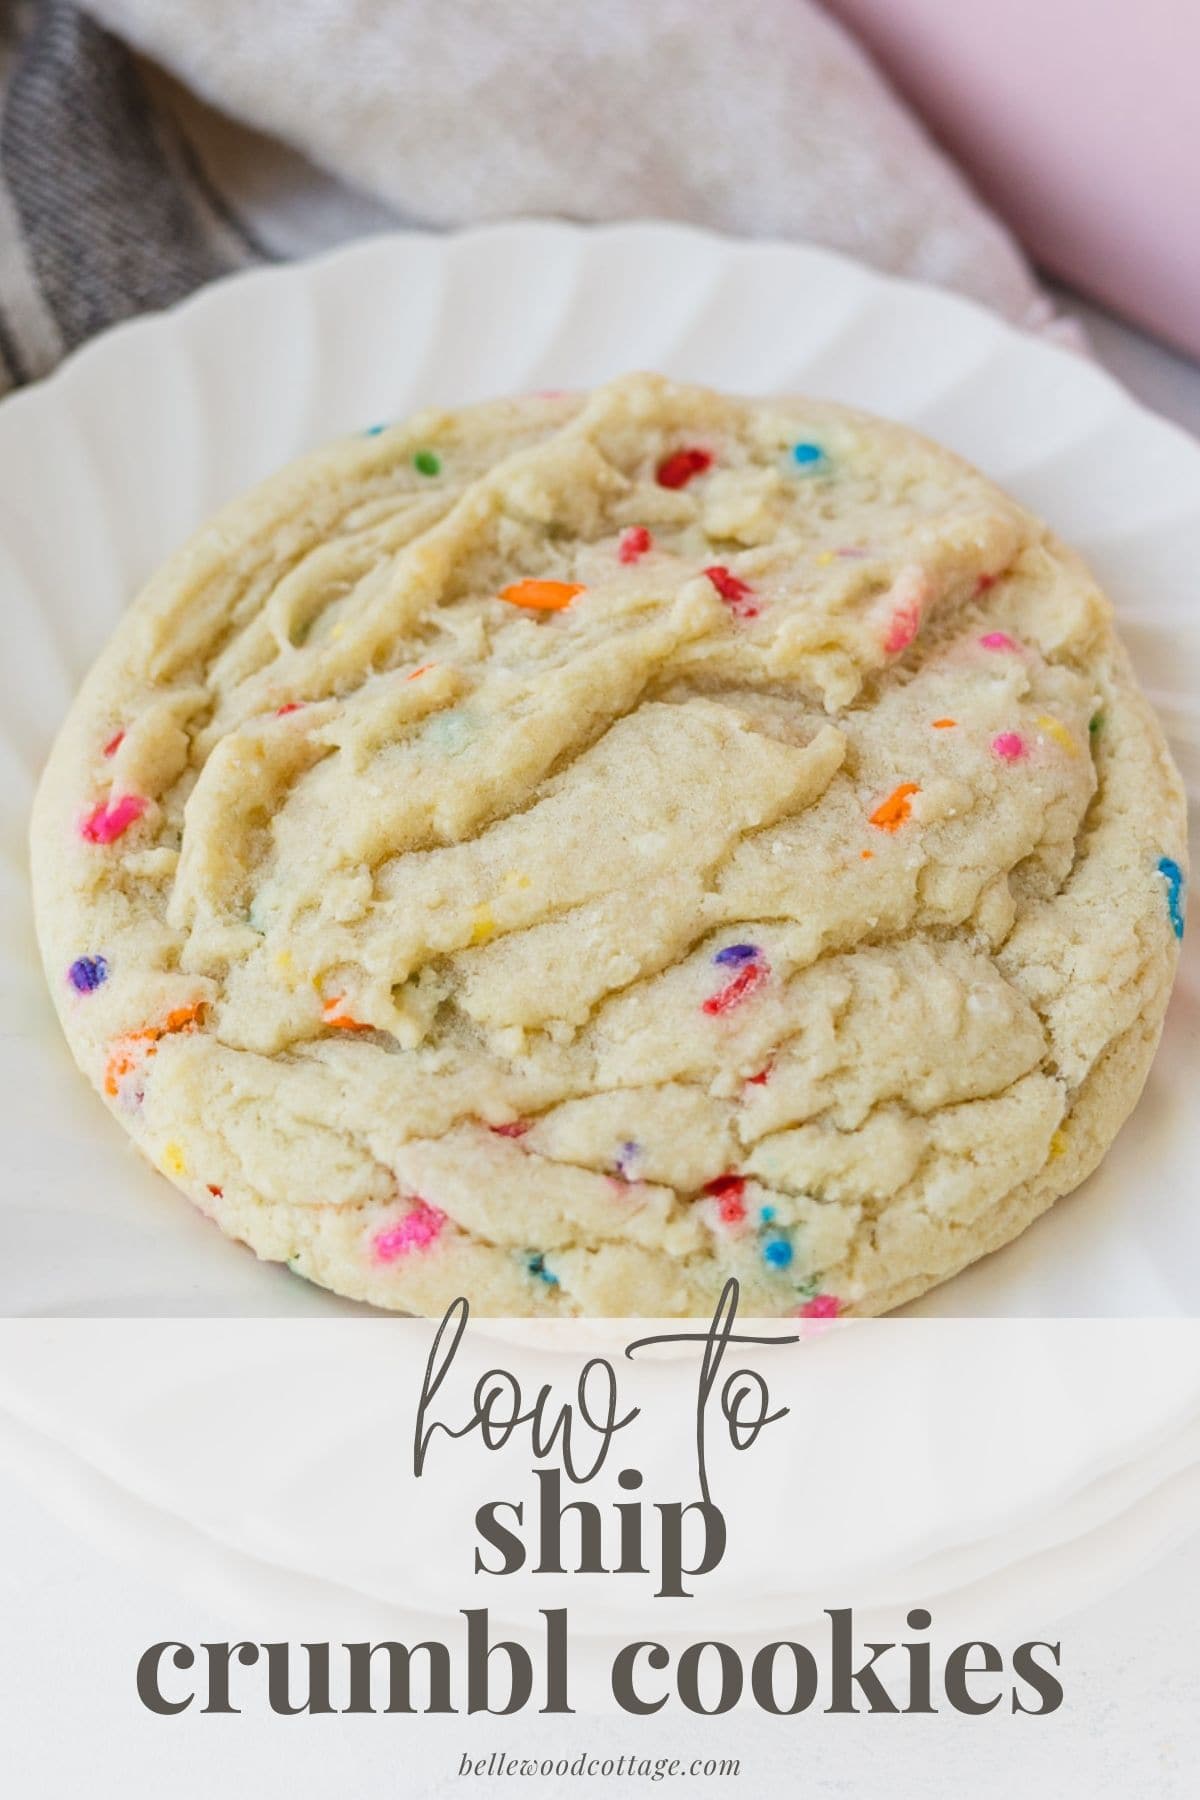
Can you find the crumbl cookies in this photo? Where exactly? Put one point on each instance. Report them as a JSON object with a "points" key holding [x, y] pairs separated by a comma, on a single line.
{"points": [[576, 849]]}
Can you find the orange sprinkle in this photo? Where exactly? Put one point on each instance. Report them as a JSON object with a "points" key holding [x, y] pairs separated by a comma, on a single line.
{"points": [[423, 670], [944, 724], [541, 596], [184, 1018], [124, 1052], [893, 812], [866, 855], [342, 1020]]}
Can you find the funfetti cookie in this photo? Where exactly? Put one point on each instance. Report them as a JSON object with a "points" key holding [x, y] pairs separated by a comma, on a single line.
{"points": [[575, 849]]}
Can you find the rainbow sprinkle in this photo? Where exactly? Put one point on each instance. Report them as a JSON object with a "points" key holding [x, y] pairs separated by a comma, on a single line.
{"points": [[682, 466], [1055, 729], [626, 1156], [734, 955], [333, 1014], [729, 1191], [809, 457], [752, 972], [87, 973], [106, 822], [1009, 746], [998, 640], [778, 1252], [114, 744], [634, 544], [127, 1053], [515, 1128], [426, 463], [417, 1230], [895, 811], [903, 626], [541, 596], [737, 594], [1172, 874], [821, 1306], [536, 1264]]}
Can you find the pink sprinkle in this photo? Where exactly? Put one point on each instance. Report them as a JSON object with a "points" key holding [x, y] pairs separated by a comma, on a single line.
{"points": [[821, 1306], [514, 1129], [106, 822], [904, 603], [415, 1231], [906, 622], [998, 640], [634, 543], [737, 594], [1009, 746], [114, 744]]}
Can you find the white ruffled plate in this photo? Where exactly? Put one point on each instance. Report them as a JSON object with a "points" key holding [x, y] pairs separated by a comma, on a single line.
{"points": [[105, 467]]}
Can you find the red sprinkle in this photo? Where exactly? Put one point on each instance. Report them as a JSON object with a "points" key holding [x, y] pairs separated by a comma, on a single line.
{"points": [[676, 470], [744, 983], [762, 1078], [729, 1191], [514, 1129], [634, 543], [215, 1191], [289, 706], [110, 819], [114, 744], [737, 594], [985, 582]]}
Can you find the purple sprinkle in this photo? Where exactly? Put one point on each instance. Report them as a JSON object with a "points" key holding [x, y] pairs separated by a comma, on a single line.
{"points": [[86, 973], [629, 1153], [737, 954]]}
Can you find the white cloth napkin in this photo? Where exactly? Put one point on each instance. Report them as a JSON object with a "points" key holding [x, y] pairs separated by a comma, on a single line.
{"points": [[758, 119]]}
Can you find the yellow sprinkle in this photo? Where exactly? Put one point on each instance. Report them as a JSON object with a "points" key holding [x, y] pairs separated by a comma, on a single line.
{"points": [[1057, 730], [1058, 1144], [825, 558], [173, 1160], [513, 878], [484, 925], [337, 631]]}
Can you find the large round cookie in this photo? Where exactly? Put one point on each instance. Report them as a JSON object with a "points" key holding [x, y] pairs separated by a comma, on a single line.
{"points": [[575, 849]]}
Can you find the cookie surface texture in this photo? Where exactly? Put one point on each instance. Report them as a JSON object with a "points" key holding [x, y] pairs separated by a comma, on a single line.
{"points": [[572, 850]]}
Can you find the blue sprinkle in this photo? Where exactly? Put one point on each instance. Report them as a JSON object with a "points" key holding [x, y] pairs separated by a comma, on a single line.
{"points": [[807, 456], [777, 1252], [537, 1266], [1172, 874], [737, 953], [87, 973], [766, 1214], [374, 430]]}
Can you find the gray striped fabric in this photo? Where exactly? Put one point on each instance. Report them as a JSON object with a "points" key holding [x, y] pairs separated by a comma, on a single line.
{"points": [[104, 211]]}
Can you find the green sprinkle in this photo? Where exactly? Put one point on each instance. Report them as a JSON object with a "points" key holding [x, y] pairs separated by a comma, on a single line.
{"points": [[426, 463], [1095, 722]]}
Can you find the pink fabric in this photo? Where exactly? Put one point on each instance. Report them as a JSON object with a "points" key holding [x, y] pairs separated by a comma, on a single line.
{"points": [[1078, 121]]}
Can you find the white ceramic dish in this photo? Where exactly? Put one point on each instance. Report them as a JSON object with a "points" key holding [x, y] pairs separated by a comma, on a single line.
{"points": [[107, 465]]}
